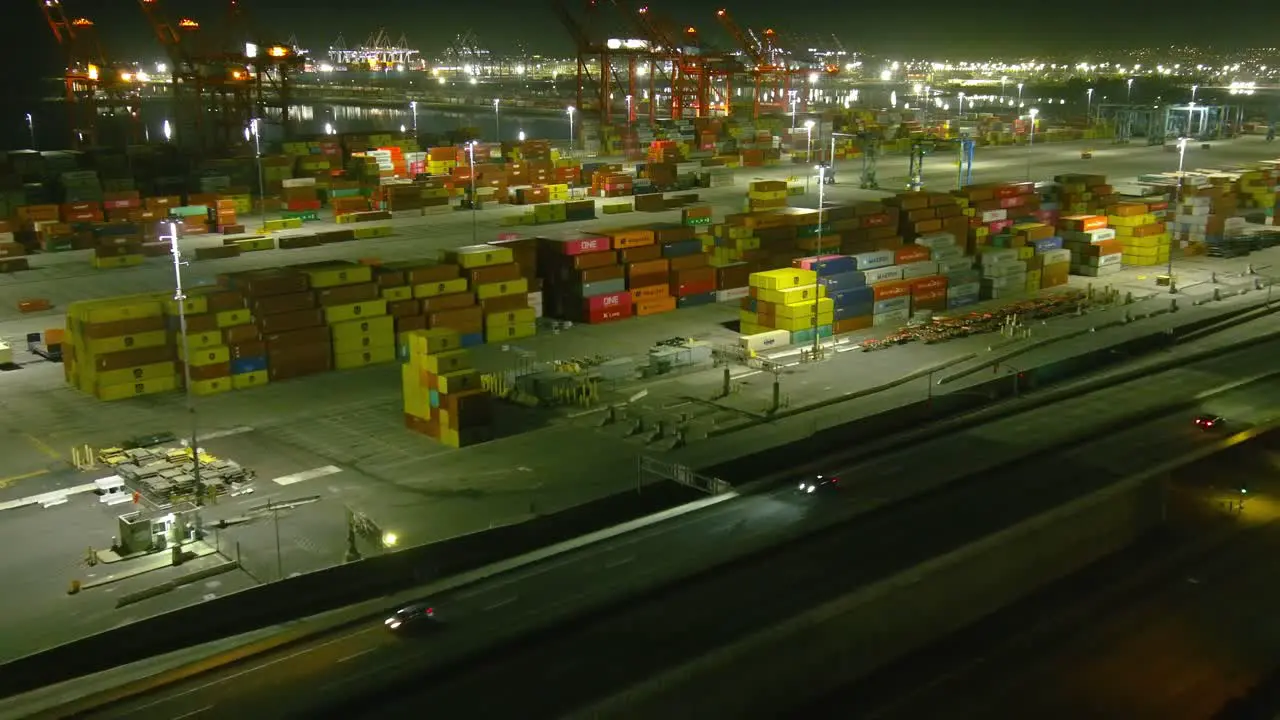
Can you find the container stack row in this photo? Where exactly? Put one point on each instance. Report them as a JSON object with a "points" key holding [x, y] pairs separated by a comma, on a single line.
{"points": [[1095, 251], [1204, 214], [1142, 233], [443, 398]]}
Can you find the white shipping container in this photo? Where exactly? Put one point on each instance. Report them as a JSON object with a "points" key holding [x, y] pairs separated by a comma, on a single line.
{"points": [[955, 265], [1091, 271], [1193, 209], [936, 240], [1198, 201], [972, 288], [535, 297], [914, 270], [732, 294], [991, 216], [1192, 221], [770, 340], [6, 237], [996, 256], [897, 317], [298, 182], [1055, 257], [1088, 236], [1005, 269], [879, 275], [874, 260], [1105, 260], [940, 254]]}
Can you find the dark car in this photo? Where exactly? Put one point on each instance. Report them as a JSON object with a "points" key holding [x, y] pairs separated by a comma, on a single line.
{"points": [[412, 617], [1209, 422], [818, 483]]}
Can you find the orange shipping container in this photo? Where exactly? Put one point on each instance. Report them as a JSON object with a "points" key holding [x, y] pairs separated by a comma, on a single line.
{"points": [[653, 306]]}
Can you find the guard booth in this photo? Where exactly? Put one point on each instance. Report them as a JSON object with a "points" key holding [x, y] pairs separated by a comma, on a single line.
{"points": [[141, 534]]}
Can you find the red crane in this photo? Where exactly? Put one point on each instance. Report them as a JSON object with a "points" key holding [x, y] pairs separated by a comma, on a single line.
{"points": [[606, 66], [692, 73], [775, 81], [91, 83]]}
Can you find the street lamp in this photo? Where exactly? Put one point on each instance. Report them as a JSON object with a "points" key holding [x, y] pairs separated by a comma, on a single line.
{"points": [[31, 130], [180, 297], [1182, 153], [520, 136], [1019, 94], [497, 122], [1003, 79], [808, 152], [793, 112], [817, 265], [1031, 139], [413, 108], [168, 131], [1129, 96], [629, 117], [960, 105], [390, 540], [1088, 105], [571, 135], [471, 161], [255, 130]]}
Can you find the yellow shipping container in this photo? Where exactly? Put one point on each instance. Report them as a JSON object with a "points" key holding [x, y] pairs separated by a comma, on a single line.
{"points": [[434, 341], [361, 358], [211, 355], [195, 305], [201, 340], [134, 389], [114, 310], [256, 244], [805, 323], [478, 256], [445, 362], [1139, 251], [793, 295], [124, 376], [1140, 261], [1118, 221], [499, 289], [231, 318], [345, 274], [212, 386], [445, 287], [118, 261], [512, 331], [381, 330], [101, 346], [803, 309], [354, 311], [243, 381], [782, 279], [396, 294], [511, 317]]}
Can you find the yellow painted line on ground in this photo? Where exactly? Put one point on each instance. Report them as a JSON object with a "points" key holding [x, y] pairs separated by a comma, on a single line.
{"points": [[7, 481], [42, 446]]}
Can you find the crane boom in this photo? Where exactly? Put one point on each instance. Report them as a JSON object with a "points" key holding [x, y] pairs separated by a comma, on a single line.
{"points": [[752, 48]]}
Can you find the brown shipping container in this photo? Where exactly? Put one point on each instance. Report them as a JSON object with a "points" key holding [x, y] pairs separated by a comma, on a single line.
{"points": [[464, 320], [225, 300], [452, 301], [388, 277], [132, 358], [273, 282], [671, 233], [248, 349], [689, 262], [205, 372], [732, 276], [431, 273], [693, 275], [120, 328], [286, 355], [294, 338], [283, 303], [347, 294], [299, 367], [413, 322], [586, 261], [495, 273], [404, 308], [600, 274], [641, 281], [240, 333], [644, 253], [202, 323], [649, 267], [504, 303], [287, 322]]}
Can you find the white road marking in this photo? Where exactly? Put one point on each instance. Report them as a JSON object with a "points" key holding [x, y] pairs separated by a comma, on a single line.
{"points": [[225, 433], [353, 656], [50, 497], [193, 713], [305, 475], [499, 604], [619, 563]]}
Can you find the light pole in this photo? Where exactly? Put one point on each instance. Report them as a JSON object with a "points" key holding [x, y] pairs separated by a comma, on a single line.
{"points": [[471, 161], [1088, 105], [1019, 95], [520, 136], [1003, 79], [255, 128], [181, 298], [168, 131], [275, 517], [1031, 139], [497, 122], [1191, 110], [629, 117], [817, 265], [31, 130], [808, 151], [571, 135], [1182, 153], [413, 109], [960, 105], [793, 112], [1129, 89]]}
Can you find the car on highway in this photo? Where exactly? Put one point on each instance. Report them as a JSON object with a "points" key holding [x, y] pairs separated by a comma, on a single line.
{"points": [[1209, 422], [411, 617], [818, 483]]}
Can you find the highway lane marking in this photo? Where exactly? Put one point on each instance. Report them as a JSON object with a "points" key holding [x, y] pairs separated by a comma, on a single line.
{"points": [[225, 433], [247, 671], [305, 475], [42, 446], [353, 656], [193, 713], [620, 563], [500, 603]]}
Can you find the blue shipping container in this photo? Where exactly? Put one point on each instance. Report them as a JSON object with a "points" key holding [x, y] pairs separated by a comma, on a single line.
{"points": [[433, 397], [853, 311], [892, 305], [695, 300], [603, 287], [961, 301], [240, 366], [852, 296], [682, 248], [837, 265], [471, 340], [1049, 243], [843, 280], [873, 260]]}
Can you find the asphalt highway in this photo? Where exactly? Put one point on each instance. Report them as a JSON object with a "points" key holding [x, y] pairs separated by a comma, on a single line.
{"points": [[381, 675]]}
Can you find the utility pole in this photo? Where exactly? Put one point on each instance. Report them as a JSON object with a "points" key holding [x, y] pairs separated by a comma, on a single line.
{"points": [[275, 517], [816, 353], [181, 298]]}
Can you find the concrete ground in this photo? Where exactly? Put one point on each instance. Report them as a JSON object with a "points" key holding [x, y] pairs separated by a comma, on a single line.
{"points": [[347, 427]]}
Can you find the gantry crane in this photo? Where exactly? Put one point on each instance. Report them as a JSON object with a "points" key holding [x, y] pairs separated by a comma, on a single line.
{"points": [[273, 64], [693, 73], [772, 78], [91, 83], [963, 147], [599, 63]]}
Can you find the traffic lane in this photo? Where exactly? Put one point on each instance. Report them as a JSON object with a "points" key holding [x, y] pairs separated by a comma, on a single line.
{"points": [[528, 594], [515, 598], [628, 642], [1180, 647]]}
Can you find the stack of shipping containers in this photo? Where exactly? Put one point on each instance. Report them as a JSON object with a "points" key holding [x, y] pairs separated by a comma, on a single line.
{"points": [[442, 394], [1095, 252], [119, 348], [1143, 236]]}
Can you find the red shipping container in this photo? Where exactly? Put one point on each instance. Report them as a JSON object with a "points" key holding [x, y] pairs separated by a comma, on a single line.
{"points": [[926, 284], [582, 245], [604, 315], [889, 290], [876, 220], [910, 254], [1012, 202], [694, 288], [927, 296], [1006, 191], [610, 301], [297, 205]]}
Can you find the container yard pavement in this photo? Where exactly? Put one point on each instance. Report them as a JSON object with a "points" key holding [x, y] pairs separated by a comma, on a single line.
{"points": [[339, 436]]}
